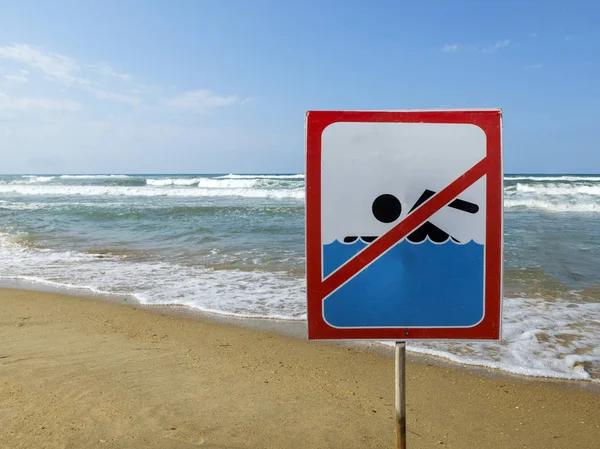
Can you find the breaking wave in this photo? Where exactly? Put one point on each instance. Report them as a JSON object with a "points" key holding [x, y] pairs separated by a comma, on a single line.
{"points": [[62, 190]]}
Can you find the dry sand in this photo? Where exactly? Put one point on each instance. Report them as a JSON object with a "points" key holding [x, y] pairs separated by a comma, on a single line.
{"points": [[79, 373]]}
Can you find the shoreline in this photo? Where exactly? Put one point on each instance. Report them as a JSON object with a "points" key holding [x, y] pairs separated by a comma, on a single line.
{"points": [[296, 329]]}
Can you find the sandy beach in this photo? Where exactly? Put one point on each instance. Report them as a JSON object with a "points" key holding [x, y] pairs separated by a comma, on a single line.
{"points": [[79, 373]]}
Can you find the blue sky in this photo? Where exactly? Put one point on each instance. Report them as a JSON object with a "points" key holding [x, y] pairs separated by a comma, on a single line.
{"points": [[222, 86]]}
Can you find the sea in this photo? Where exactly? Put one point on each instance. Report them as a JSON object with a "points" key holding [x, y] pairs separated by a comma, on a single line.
{"points": [[233, 244]]}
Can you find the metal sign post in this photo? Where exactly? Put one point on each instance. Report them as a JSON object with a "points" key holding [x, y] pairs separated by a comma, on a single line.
{"points": [[400, 412]]}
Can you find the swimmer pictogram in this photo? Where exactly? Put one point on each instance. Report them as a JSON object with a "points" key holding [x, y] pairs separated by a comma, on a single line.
{"points": [[387, 209]]}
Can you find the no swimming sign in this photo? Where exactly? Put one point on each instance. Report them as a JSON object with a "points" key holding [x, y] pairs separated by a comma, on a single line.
{"points": [[404, 224]]}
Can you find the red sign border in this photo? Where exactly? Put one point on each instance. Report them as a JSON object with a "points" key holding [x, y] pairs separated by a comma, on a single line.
{"points": [[490, 121]]}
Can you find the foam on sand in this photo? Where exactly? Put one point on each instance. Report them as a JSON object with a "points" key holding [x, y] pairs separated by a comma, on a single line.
{"points": [[557, 338]]}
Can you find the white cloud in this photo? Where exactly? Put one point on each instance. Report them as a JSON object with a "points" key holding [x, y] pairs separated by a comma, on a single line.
{"points": [[67, 71], [449, 48], [496, 46], [8, 102], [116, 97], [535, 66], [199, 101], [104, 82], [71, 111], [54, 66], [63, 69], [452, 48], [19, 79], [106, 70]]}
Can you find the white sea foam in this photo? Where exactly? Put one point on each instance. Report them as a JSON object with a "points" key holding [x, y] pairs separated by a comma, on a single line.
{"points": [[551, 206], [567, 178], [213, 183], [255, 193], [55, 205], [539, 338], [246, 183], [229, 183], [30, 179], [95, 176], [231, 292], [161, 182], [553, 197], [64, 190], [233, 176], [40, 179], [5, 205], [559, 189]]}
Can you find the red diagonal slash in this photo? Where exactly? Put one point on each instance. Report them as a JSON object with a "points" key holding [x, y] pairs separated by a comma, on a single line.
{"points": [[415, 219]]}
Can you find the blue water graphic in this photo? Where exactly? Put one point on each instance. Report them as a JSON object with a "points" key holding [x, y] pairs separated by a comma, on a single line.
{"points": [[412, 285]]}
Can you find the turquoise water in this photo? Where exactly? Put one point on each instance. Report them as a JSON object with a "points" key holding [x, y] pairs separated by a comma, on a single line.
{"points": [[234, 244]]}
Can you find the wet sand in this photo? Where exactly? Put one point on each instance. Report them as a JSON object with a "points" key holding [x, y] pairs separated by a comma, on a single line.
{"points": [[79, 373]]}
